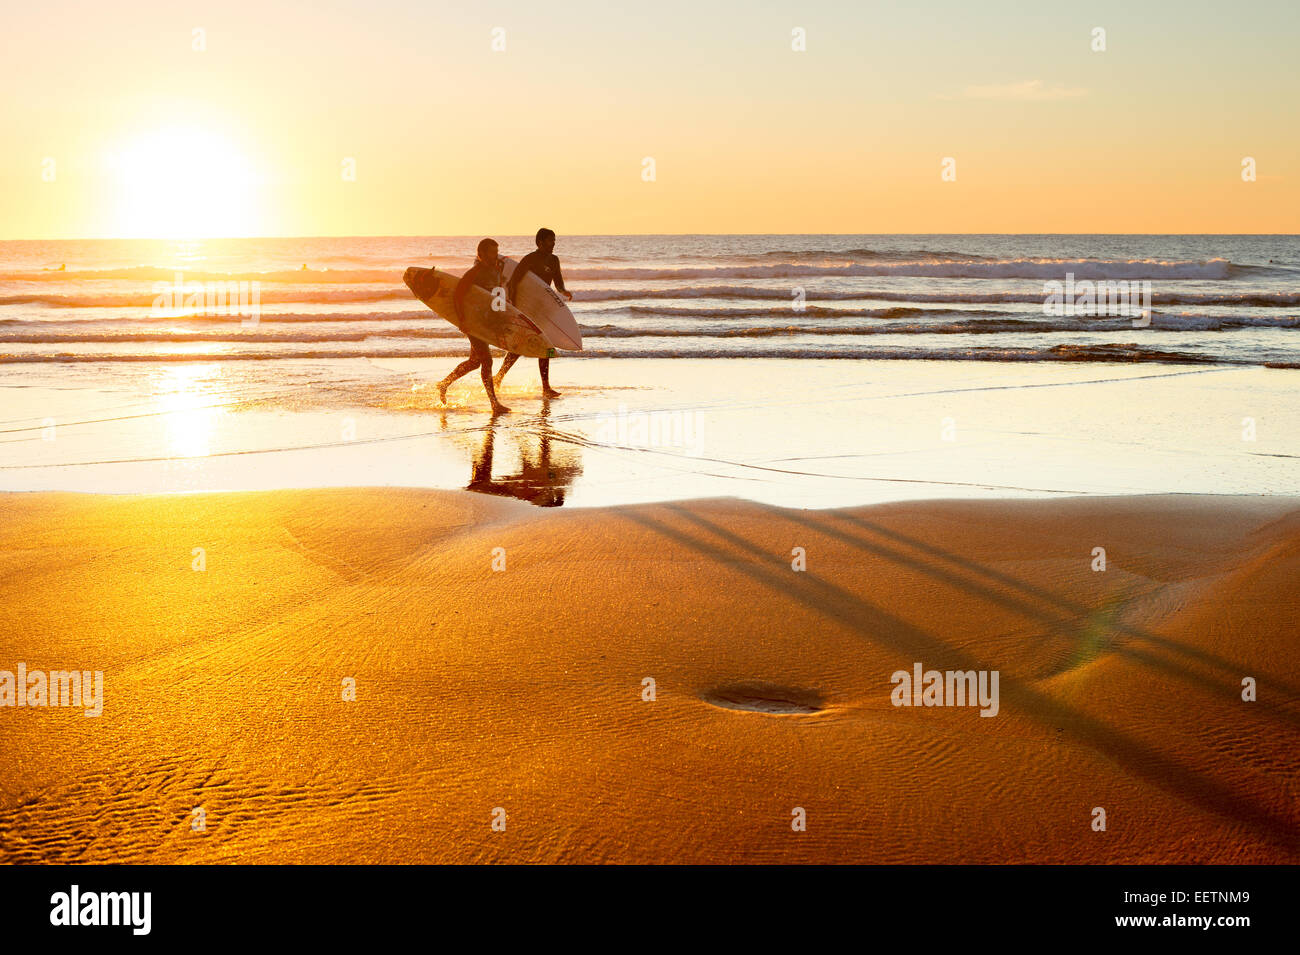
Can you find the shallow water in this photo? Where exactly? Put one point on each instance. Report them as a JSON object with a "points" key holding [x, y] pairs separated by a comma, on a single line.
{"points": [[801, 433]]}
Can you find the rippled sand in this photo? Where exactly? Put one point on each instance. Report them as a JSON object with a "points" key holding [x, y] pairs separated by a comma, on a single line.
{"points": [[521, 694]]}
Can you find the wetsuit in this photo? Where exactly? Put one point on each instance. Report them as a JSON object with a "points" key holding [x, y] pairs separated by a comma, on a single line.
{"points": [[481, 274], [542, 264]]}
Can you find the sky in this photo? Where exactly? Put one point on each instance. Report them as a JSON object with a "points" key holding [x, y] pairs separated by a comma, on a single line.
{"points": [[396, 117]]}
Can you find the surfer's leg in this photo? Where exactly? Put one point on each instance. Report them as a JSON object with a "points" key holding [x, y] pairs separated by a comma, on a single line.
{"points": [[544, 366], [506, 365], [464, 368], [485, 369]]}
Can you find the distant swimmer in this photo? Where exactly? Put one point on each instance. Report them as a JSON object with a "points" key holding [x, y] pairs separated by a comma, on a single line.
{"points": [[543, 263], [486, 274]]}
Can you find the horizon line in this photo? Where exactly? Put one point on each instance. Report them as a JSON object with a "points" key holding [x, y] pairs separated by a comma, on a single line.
{"points": [[611, 235]]}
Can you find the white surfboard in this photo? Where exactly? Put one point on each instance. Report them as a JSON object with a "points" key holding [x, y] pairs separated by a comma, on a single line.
{"points": [[544, 306]]}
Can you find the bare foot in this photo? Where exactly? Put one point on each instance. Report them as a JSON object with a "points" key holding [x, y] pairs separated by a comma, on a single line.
{"points": [[550, 393], [442, 391], [499, 408]]}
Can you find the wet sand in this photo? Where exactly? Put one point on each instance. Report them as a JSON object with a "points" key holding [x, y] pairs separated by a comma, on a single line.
{"points": [[519, 693], [805, 433]]}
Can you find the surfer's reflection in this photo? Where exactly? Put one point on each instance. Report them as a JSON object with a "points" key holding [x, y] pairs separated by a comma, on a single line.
{"points": [[547, 467]]}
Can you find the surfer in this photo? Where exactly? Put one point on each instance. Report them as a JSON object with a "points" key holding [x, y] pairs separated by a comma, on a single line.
{"points": [[543, 263], [485, 273]]}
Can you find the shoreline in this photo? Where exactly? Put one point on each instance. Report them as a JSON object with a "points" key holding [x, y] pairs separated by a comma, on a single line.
{"points": [[800, 433], [522, 688]]}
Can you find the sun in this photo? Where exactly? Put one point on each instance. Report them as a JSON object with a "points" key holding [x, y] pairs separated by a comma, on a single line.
{"points": [[184, 182]]}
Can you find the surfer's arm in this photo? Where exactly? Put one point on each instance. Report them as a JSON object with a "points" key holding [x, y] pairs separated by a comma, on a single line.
{"points": [[559, 280], [523, 268]]}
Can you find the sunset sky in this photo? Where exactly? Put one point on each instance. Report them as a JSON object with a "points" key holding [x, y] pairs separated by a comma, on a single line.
{"points": [[250, 136]]}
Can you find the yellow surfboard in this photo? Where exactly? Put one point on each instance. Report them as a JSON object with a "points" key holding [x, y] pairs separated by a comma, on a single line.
{"points": [[506, 328]]}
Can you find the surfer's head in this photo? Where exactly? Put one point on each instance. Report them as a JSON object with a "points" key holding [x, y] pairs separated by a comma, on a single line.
{"points": [[545, 240], [487, 251]]}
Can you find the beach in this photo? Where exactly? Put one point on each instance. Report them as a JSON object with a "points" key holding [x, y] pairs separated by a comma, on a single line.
{"points": [[518, 694], [894, 478], [915, 575]]}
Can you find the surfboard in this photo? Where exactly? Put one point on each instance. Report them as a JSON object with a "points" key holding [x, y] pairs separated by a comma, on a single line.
{"points": [[544, 306], [508, 329]]}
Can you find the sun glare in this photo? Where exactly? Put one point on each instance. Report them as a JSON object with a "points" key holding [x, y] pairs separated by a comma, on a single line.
{"points": [[184, 182], [186, 395]]}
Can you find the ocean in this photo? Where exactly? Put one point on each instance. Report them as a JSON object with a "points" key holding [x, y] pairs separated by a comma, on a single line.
{"points": [[1212, 299]]}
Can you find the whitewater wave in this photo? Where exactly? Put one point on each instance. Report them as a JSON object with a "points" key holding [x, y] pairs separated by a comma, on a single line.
{"points": [[236, 334], [809, 311], [987, 327], [267, 318], [961, 266], [985, 323], [309, 332], [583, 296], [146, 300], [916, 255], [824, 255], [690, 322], [1125, 352], [152, 273], [1243, 300], [258, 335], [1046, 269]]}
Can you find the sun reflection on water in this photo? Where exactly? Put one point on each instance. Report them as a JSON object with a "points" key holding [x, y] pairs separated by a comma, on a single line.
{"points": [[185, 394]]}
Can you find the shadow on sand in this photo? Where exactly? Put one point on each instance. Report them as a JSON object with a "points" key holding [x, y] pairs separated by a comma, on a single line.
{"points": [[876, 624]]}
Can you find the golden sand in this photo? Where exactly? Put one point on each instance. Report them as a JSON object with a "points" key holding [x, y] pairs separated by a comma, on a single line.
{"points": [[520, 693]]}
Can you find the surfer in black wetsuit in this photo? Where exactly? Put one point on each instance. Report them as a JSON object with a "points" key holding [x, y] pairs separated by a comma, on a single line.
{"points": [[485, 273], [542, 263]]}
